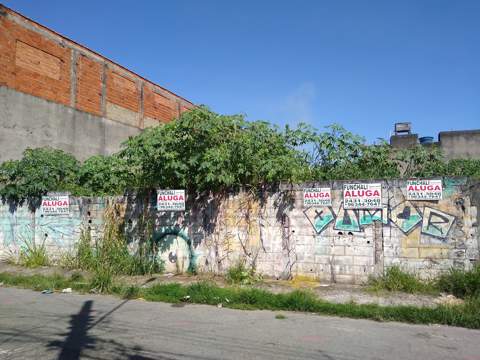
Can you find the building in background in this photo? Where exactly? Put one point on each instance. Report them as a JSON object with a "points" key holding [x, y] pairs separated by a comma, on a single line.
{"points": [[462, 144], [56, 92]]}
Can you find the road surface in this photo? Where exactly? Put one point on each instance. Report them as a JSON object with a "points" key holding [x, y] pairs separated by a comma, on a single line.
{"points": [[72, 326]]}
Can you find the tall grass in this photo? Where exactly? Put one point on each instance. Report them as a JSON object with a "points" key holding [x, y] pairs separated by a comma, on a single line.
{"points": [[33, 255], [395, 279], [461, 283], [110, 256], [464, 284]]}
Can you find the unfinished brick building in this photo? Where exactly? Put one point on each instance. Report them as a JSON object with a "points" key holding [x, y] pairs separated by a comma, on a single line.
{"points": [[56, 92]]}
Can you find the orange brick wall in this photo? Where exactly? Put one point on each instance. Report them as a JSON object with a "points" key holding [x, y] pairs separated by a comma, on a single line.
{"points": [[158, 106], [122, 90], [38, 61], [33, 64], [89, 85]]}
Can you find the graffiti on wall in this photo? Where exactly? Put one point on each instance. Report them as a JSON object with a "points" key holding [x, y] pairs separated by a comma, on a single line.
{"points": [[436, 223], [369, 216], [433, 222], [346, 220], [175, 249], [319, 217], [22, 227], [405, 216]]}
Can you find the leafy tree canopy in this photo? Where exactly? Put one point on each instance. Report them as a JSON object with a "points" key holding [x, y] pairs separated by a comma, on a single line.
{"points": [[205, 151]]}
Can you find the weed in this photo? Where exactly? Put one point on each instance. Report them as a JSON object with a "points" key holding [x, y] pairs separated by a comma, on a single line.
{"points": [[240, 274], [461, 283], [102, 281], [172, 293], [131, 292], [112, 253], [42, 282], [395, 279], [110, 256], [33, 255], [280, 317], [298, 301], [85, 257]]}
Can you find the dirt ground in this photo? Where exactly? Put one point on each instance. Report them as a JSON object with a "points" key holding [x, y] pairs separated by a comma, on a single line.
{"points": [[335, 293]]}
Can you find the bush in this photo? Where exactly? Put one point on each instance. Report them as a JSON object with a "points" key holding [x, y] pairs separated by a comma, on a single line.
{"points": [[461, 283]]}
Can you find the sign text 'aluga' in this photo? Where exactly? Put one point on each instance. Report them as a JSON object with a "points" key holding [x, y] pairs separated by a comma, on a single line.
{"points": [[424, 189], [362, 196], [317, 197], [171, 200], [55, 205]]}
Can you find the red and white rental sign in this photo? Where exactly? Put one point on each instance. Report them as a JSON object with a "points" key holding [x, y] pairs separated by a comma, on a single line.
{"points": [[424, 189], [55, 205], [317, 197], [171, 200], [362, 196]]}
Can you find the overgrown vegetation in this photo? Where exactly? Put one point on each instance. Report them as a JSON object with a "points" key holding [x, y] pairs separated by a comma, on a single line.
{"points": [[110, 256], [39, 171], [395, 279], [32, 255], [465, 315], [205, 151], [464, 284], [239, 274], [461, 283]]}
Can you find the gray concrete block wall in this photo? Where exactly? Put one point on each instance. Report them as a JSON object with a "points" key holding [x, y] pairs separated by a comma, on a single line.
{"points": [[278, 235]]}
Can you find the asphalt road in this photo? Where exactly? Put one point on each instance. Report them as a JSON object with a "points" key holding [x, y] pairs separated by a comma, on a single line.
{"points": [[71, 326]]}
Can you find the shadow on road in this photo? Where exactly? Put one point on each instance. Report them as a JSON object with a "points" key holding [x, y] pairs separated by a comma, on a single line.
{"points": [[77, 339], [79, 343]]}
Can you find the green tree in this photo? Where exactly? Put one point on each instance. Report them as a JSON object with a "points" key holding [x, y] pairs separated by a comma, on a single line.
{"points": [[420, 161], [206, 151], [104, 175], [339, 154], [203, 150], [39, 171]]}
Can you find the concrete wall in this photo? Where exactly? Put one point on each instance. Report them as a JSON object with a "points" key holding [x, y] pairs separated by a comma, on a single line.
{"points": [[460, 144], [463, 144], [404, 141], [30, 121], [84, 85], [276, 233]]}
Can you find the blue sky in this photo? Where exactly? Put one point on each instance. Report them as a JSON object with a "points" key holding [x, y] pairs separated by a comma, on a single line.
{"points": [[362, 64]]}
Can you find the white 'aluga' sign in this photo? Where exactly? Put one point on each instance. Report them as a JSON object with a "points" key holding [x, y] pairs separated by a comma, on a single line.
{"points": [[171, 200]]}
